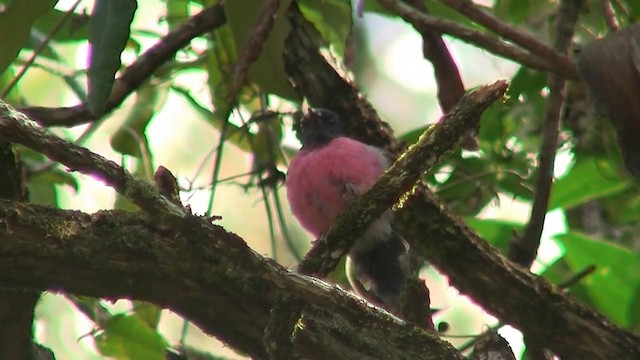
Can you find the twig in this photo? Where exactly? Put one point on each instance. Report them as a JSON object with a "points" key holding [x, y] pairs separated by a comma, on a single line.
{"points": [[556, 59], [489, 43], [15, 127], [39, 49], [577, 277], [16, 305], [450, 85], [564, 285], [250, 53], [609, 15], [523, 251], [137, 73], [434, 49]]}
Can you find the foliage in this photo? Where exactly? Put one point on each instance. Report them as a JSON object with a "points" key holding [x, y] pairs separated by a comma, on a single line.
{"points": [[592, 188]]}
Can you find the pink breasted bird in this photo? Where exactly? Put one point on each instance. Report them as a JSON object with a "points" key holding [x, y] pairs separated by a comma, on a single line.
{"points": [[329, 172]]}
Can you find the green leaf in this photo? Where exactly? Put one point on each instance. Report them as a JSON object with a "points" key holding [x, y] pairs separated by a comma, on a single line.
{"points": [[235, 135], [498, 233], [268, 71], [589, 179], [130, 139], [612, 287], [634, 318], [266, 142], [412, 136], [220, 58], [332, 19], [468, 188], [147, 312], [73, 29], [15, 25], [57, 176], [559, 272], [128, 337], [109, 30], [42, 192]]}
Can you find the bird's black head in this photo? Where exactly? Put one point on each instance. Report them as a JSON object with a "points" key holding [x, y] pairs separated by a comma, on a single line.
{"points": [[318, 127]]}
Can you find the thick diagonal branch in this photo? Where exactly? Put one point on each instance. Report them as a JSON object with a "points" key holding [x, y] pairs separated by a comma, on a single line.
{"points": [[399, 179], [472, 266], [207, 275]]}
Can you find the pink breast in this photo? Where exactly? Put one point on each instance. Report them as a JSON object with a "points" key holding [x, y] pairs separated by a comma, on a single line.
{"points": [[319, 180]]}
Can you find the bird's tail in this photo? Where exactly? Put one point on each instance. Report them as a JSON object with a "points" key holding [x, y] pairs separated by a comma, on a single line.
{"points": [[383, 268]]}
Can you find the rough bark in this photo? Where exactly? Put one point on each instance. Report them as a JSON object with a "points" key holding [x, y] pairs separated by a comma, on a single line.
{"points": [[474, 267], [16, 305]]}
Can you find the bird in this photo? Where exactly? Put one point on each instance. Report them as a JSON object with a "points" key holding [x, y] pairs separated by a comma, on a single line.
{"points": [[324, 177]]}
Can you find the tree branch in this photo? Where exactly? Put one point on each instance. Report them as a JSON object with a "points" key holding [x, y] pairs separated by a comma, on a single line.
{"points": [[557, 59], [472, 265], [137, 73], [563, 67], [523, 251], [17, 128], [225, 289], [399, 179], [16, 305], [450, 85]]}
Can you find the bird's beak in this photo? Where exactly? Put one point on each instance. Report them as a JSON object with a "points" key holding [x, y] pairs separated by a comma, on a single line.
{"points": [[312, 115]]}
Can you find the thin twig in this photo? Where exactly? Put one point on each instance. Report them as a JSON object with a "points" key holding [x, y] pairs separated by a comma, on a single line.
{"points": [[450, 85], [15, 127], [250, 53], [577, 277], [40, 48], [523, 251], [477, 38], [556, 59], [137, 73]]}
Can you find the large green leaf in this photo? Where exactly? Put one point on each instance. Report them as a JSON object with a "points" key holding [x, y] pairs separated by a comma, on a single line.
{"points": [[128, 337], [589, 179], [15, 25], [109, 30], [613, 286]]}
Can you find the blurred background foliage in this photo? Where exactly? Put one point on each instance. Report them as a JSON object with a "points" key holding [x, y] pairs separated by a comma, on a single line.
{"points": [[178, 118]]}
